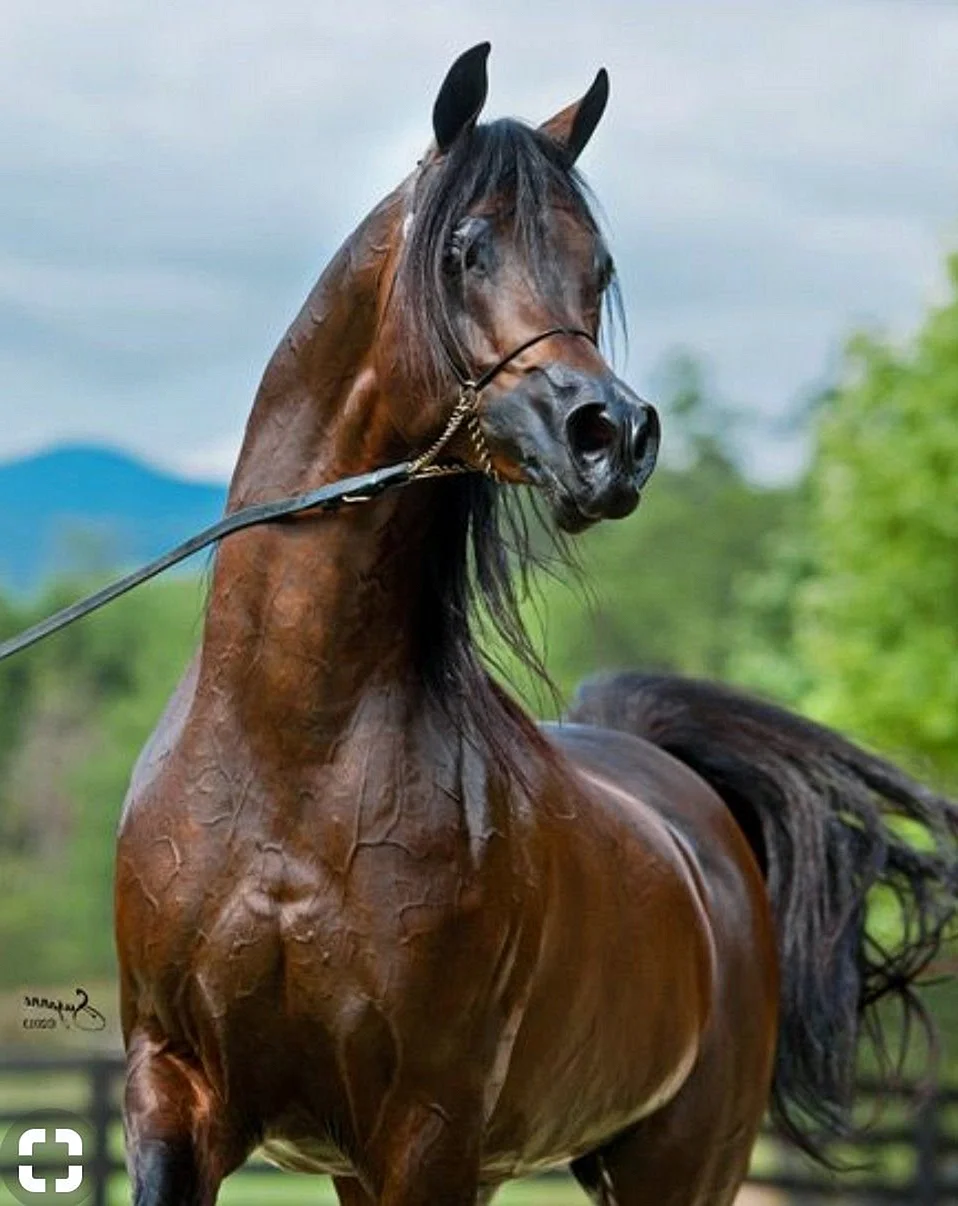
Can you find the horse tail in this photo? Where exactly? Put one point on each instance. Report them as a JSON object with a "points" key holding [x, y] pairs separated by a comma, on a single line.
{"points": [[834, 829]]}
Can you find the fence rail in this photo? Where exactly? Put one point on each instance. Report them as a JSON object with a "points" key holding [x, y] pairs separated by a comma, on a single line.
{"points": [[922, 1140]]}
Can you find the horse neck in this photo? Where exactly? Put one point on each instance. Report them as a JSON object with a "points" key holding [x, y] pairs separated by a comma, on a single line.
{"points": [[321, 376], [307, 617]]}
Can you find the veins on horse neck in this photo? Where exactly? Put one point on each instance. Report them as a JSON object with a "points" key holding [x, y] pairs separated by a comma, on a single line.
{"points": [[307, 619], [309, 421]]}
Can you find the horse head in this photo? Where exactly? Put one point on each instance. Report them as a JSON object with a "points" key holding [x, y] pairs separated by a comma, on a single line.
{"points": [[501, 280]]}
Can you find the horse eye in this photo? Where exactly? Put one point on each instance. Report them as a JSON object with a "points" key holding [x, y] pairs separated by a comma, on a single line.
{"points": [[605, 271], [468, 247], [471, 257]]}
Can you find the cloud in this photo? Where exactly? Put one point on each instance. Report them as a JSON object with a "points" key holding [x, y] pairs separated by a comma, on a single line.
{"points": [[174, 177], [212, 462]]}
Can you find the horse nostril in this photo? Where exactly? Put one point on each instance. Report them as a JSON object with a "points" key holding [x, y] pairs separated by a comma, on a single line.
{"points": [[591, 430], [645, 441]]}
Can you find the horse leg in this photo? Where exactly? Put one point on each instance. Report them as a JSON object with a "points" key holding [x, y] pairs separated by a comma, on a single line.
{"points": [[351, 1193], [673, 1158], [427, 1152], [695, 1150], [179, 1146]]}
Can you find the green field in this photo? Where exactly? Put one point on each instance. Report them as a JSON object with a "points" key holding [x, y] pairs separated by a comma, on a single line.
{"points": [[296, 1190]]}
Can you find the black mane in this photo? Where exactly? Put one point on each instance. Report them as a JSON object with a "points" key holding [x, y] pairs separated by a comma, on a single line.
{"points": [[482, 532]]}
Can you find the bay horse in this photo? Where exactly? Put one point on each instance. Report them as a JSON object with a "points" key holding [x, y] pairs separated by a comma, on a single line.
{"points": [[374, 920]]}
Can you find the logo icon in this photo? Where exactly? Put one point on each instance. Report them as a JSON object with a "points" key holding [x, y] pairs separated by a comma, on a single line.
{"points": [[42, 1159], [74, 1145]]}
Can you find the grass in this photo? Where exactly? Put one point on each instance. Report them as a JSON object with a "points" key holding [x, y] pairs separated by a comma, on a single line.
{"points": [[294, 1189]]}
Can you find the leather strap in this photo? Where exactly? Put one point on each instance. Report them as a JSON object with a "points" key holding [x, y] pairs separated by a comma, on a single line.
{"points": [[327, 498]]}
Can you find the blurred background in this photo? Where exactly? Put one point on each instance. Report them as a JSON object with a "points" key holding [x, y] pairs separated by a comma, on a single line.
{"points": [[780, 190]]}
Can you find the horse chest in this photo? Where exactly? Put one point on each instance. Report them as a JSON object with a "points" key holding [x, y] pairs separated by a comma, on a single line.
{"points": [[301, 926]]}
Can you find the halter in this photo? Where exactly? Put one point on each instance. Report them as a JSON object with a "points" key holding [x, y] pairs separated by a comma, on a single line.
{"points": [[358, 489], [467, 410]]}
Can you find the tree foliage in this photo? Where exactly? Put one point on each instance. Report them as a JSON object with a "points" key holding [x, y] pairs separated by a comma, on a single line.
{"points": [[877, 619], [72, 720]]}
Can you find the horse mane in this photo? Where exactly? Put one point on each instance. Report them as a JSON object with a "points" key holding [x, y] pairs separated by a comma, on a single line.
{"points": [[483, 546], [483, 532]]}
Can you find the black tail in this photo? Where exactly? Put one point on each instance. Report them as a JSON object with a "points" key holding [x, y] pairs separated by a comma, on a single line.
{"points": [[829, 823]]}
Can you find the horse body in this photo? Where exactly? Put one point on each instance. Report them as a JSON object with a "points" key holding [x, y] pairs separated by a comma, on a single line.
{"points": [[271, 899], [373, 919]]}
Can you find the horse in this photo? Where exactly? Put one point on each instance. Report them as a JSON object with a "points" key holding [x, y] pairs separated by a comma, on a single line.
{"points": [[371, 918]]}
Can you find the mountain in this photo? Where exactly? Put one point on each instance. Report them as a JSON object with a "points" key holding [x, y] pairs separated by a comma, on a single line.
{"points": [[80, 508]]}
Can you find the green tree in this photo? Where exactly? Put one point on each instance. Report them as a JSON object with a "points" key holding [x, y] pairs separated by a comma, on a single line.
{"points": [[877, 624], [763, 654], [133, 663], [92, 695], [16, 689]]}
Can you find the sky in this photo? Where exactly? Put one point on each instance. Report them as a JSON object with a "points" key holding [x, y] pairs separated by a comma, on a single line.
{"points": [[173, 177]]}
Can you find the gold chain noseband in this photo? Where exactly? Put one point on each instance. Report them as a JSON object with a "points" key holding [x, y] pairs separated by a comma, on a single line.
{"points": [[466, 411]]}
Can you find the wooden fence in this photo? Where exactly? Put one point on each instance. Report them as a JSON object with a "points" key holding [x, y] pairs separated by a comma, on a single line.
{"points": [[910, 1154]]}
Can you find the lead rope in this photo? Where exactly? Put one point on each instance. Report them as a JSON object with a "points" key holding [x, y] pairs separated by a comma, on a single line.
{"points": [[358, 489]]}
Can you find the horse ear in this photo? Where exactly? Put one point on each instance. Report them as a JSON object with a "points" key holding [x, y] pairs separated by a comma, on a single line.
{"points": [[461, 97], [573, 126]]}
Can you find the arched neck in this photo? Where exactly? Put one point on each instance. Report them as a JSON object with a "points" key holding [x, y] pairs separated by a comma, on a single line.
{"points": [[307, 615], [310, 421]]}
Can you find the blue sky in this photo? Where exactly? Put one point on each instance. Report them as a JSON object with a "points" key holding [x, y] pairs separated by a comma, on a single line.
{"points": [[173, 177]]}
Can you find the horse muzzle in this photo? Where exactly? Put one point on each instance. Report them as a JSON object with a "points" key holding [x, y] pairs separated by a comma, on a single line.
{"points": [[589, 443]]}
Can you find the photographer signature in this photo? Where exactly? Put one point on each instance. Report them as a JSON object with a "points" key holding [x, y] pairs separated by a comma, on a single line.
{"points": [[46, 1013]]}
